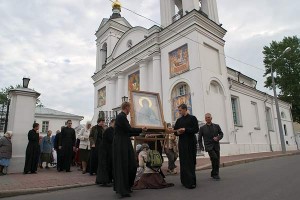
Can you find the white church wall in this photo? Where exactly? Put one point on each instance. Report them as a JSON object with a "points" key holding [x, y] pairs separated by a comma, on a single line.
{"points": [[192, 77]]}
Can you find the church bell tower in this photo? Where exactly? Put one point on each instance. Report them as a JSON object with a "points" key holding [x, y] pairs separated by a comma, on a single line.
{"points": [[171, 10]]}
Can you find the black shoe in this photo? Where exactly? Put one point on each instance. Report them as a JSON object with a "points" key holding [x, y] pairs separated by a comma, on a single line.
{"points": [[124, 196], [106, 185], [68, 171], [216, 177], [192, 187], [33, 172]]}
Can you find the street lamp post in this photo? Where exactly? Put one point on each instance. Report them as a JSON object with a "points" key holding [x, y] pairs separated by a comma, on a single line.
{"points": [[282, 140]]}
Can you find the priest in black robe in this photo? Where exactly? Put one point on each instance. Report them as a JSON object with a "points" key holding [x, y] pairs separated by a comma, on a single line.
{"points": [[186, 127], [95, 138], [67, 145], [123, 154], [32, 150], [105, 166]]}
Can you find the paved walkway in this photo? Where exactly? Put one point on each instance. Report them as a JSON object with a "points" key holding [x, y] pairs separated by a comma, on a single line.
{"points": [[49, 179]]}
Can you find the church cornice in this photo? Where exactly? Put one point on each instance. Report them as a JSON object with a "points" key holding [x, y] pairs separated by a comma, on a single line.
{"points": [[254, 93]]}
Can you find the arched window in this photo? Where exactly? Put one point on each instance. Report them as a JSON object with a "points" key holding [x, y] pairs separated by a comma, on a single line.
{"points": [[216, 88], [180, 94], [285, 131], [282, 115], [129, 44], [178, 10], [103, 53]]}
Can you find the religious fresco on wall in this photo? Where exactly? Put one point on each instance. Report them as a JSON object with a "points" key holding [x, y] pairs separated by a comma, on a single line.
{"points": [[102, 97], [177, 101], [134, 81], [179, 61]]}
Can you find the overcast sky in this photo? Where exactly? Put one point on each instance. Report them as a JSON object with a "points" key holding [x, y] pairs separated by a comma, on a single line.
{"points": [[53, 42]]}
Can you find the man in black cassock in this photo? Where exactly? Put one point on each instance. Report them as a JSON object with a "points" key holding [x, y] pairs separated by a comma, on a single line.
{"points": [[105, 166], [212, 134], [186, 127], [32, 150], [59, 162], [95, 138], [124, 161], [67, 145]]}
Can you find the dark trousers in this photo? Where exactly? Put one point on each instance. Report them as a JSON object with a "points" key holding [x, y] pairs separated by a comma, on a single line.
{"points": [[215, 161], [93, 161], [172, 157], [59, 162]]}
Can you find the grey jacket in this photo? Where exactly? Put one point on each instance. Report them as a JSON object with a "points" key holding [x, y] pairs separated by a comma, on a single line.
{"points": [[5, 148], [208, 134]]}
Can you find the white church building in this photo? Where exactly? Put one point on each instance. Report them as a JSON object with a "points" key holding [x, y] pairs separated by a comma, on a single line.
{"points": [[184, 61]]}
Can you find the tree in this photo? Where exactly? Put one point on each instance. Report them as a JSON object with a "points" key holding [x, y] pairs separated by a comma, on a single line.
{"points": [[287, 68], [4, 95]]}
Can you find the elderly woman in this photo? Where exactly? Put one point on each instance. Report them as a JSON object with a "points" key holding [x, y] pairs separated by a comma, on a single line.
{"points": [[46, 150], [148, 178], [84, 145], [5, 151]]}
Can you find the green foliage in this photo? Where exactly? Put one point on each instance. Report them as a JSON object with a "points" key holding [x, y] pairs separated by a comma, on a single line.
{"points": [[287, 68], [4, 93]]}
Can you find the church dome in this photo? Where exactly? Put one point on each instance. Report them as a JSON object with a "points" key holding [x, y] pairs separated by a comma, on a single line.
{"points": [[116, 5]]}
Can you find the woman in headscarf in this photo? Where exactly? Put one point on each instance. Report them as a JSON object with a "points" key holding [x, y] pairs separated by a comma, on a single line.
{"points": [[5, 151]]}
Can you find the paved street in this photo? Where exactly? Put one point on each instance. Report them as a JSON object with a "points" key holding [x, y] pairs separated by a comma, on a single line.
{"points": [[272, 179]]}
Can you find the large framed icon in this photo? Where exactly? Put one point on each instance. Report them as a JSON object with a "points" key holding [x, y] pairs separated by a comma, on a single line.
{"points": [[146, 111]]}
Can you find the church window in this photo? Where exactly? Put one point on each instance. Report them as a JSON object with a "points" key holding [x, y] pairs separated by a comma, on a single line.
{"points": [[285, 131], [178, 10], [282, 115], [182, 90], [236, 111], [129, 44], [269, 119], [45, 126], [180, 94], [103, 53], [256, 115]]}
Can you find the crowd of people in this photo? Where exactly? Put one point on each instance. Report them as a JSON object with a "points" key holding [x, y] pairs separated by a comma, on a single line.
{"points": [[108, 153]]}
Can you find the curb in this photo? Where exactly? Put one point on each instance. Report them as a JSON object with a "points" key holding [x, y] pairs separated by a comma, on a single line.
{"points": [[11, 193], [246, 160]]}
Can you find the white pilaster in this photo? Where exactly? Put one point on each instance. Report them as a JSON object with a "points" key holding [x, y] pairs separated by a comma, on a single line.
{"points": [[143, 76], [210, 8], [20, 120], [156, 76], [189, 5], [167, 11], [98, 58], [121, 89], [111, 90]]}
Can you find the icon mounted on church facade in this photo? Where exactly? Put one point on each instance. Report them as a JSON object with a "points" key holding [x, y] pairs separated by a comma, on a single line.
{"points": [[179, 61]]}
